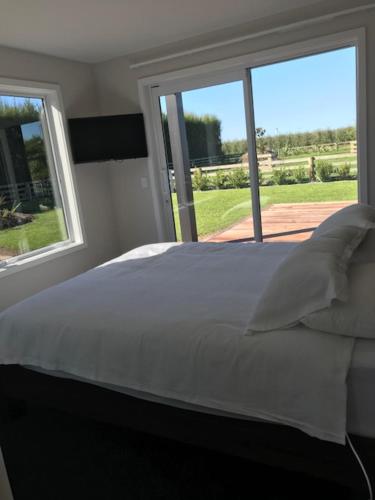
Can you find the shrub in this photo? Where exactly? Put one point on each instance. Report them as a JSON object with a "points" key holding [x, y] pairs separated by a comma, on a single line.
{"points": [[219, 180], [31, 206], [282, 176], [324, 170], [9, 217], [268, 182], [200, 182], [234, 147], [261, 177], [343, 171], [238, 178], [300, 175]]}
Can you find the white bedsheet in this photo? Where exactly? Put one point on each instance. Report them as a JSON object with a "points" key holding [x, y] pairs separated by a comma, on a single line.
{"points": [[169, 320]]}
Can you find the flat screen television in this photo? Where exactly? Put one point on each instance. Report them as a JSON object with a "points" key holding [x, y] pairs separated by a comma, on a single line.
{"points": [[103, 138]]}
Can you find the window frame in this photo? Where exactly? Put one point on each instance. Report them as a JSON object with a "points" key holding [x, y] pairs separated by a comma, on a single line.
{"points": [[60, 159], [238, 68]]}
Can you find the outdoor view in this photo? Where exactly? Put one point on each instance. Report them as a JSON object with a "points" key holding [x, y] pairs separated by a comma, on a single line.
{"points": [[305, 118], [31, 216]]}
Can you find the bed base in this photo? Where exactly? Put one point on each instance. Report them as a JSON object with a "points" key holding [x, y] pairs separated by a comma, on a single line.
{"points": [[265, 443]]}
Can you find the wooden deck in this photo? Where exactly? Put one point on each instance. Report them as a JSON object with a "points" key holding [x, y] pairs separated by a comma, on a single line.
{"points": [[282, 222], [5, 254]]}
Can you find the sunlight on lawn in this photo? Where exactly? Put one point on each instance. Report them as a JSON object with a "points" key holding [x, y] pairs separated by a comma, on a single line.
{"points": [[47, 228], [219, 209]]}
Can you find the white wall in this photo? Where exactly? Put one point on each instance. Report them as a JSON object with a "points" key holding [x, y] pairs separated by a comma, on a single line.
{"points": [[80, 99], [117, 85], [118, 93]]}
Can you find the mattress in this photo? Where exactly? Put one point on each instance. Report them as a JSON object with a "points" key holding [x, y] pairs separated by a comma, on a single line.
{"points": [[361, 393]]}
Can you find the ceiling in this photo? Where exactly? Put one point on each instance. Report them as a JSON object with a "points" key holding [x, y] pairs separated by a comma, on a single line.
{"points": [[97, 30]]}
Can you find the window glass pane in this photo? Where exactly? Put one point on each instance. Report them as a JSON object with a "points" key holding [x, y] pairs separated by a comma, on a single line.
{"points": [[214, 121], [305, 118], [31, 213], [216, 135]]}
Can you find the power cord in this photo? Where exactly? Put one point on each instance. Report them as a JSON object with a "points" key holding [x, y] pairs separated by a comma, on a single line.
{"points": [[362, 467]]}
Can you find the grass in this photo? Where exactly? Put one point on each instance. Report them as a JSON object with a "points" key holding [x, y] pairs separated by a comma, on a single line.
{"points": [[219, 209], [215, 210], [46, 228]]}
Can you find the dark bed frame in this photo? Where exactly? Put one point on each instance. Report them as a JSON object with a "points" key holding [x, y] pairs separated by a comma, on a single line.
{"points": [[265, 443]]}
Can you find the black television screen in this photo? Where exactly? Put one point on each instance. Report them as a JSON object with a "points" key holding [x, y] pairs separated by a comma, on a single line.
{"points": [[102, 138]]}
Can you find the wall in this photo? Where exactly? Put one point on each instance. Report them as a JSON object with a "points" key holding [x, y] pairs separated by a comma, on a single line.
{"points": [[118, 93], [117, 85], [80, 99]]}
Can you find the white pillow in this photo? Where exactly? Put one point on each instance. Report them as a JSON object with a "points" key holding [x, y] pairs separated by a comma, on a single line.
{"points": [[311, 276], [366, 251], [359, 215], [356, 317]]}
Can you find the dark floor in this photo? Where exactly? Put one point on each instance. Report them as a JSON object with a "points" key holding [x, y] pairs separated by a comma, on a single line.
{"points": [[54, 456]]}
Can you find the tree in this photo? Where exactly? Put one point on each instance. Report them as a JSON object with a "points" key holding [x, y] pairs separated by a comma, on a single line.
{"points": [[26, 112], [203, 135], [36, 158], [260, 132]]}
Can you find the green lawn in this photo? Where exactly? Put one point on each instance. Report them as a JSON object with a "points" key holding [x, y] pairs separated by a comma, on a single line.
{"points": [[45, 229], [219, 209], [215, 210]]}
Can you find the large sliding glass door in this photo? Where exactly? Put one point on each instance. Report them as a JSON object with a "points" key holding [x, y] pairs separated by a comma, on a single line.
{"points": [[265, 156]]}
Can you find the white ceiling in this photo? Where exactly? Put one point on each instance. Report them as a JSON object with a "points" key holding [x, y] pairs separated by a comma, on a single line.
{"points": [[97, 30]]}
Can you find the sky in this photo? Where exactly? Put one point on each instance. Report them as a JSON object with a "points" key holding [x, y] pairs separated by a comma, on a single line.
{"points": [[31, 130], [300, 95]]}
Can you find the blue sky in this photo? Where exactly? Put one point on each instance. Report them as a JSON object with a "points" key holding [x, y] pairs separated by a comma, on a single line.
{"points": [[31, 129], [303, 94]]}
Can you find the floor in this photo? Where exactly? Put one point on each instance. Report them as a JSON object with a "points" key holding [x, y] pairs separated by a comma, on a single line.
{"points": [[52, 456], [282, 218]]}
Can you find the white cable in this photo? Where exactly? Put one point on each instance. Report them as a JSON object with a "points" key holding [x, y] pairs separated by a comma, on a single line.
{"points": [[362, 467]]}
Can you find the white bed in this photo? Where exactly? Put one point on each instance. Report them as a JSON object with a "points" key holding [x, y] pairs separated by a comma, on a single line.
{"points": [[168, 322]]}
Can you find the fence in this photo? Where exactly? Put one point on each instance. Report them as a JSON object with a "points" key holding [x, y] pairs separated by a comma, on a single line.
{"points": [[268, 164], [26, 191], [211, 163]]}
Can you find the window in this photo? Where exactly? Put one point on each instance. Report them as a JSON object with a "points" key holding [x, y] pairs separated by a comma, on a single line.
{"points": [[284, 136], [38, 209]]}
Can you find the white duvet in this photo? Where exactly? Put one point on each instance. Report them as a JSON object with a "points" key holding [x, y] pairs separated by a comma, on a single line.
{"points": [[169, 320]]}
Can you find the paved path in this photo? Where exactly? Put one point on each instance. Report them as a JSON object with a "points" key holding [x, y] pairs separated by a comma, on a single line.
{"points": [[282, 218]]}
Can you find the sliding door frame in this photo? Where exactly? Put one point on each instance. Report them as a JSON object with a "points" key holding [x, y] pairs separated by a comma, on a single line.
{"points": [[181, 166], [230, 70]]}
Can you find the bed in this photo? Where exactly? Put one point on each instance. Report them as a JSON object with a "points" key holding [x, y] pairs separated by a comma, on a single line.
{"points": [[159, 340]]}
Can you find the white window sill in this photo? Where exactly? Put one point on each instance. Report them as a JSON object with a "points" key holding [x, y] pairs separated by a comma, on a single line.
{"points": [[21, 263]]}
